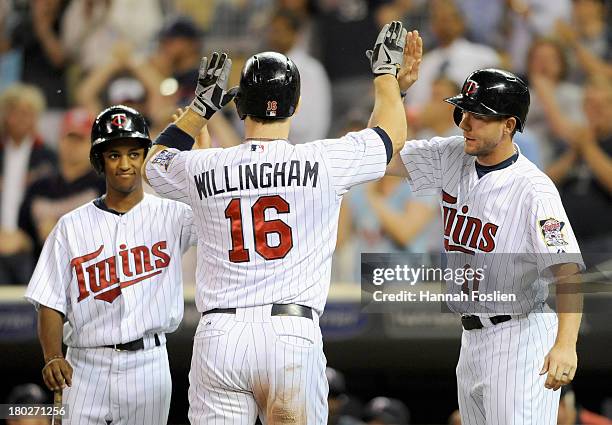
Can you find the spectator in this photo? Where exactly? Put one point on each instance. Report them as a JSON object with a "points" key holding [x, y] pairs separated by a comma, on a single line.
{"points": [[178, 56], [412, 13], [386, 411], [91, 28], [344, 30], [484, 21], [28, 394], [590, 38], [384, 216], [124, 80], [311, 122], [304, 10], [584, 172], [72, 185], [547, 61], [340, 404], [532, 19], [570, 413], [44, 57], [455, 57], [436, 116], [10, 57], [233, 24], [23, 158]]}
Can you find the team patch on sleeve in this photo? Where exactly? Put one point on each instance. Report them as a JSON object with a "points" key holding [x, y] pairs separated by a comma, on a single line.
{"points": [[552, 231], [163, 159]]}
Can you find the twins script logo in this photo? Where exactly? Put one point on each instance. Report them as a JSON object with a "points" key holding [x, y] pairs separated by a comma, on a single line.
{"points": [[464, 233], [101, 278]]}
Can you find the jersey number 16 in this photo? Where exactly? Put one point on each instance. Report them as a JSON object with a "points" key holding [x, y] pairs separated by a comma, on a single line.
{"points": [[261, 229]]}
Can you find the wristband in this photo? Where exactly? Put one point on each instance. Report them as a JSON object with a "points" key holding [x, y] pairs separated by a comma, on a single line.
{"points": [[174, 137]]}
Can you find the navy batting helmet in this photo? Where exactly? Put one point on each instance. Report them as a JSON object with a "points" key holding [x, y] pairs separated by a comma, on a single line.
{"points": [[114, 123], [269, 87], [493, 92], [27, 394]]}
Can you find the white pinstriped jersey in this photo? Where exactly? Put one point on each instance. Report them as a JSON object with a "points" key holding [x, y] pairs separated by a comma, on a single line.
{"points": [[514, 210], [267, 214], [115, 277]]}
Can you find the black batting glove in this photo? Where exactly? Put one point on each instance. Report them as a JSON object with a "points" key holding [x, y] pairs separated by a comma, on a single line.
{"points": [[388, 52], [211, 93]]}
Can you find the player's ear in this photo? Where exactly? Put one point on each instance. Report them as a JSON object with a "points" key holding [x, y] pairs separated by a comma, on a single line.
{"points": [[510, 125]]}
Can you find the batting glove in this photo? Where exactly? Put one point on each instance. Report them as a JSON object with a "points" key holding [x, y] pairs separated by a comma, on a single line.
{"points": [[388, 53], [211, 93]]}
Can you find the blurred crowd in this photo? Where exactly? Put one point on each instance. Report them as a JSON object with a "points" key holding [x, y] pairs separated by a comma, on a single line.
{"points": [[63, 61]]}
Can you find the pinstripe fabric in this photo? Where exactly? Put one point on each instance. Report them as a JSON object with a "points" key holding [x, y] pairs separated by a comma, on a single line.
{"points": [[116, 278], [252, 364], [119, 387], [154, 304], [511, 203], [515, 210], [497, 373], [302, 276]]}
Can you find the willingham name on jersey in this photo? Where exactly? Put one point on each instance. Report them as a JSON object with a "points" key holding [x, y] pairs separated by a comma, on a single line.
{"points": [[267, 214], [258, 176]]}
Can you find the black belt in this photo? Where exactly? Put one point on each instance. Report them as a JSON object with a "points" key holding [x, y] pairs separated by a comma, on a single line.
{"points": [[137, 344], [473, 322], [277, 310]]}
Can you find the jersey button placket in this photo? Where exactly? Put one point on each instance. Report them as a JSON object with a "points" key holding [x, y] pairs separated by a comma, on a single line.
{"points": [[120, 239]]}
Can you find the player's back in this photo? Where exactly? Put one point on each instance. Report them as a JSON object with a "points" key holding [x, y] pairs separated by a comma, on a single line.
{"points": [[267, 216]]}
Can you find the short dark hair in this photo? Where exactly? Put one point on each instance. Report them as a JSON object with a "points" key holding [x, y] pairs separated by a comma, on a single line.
{"points": [[266, 120], [292, 19]]}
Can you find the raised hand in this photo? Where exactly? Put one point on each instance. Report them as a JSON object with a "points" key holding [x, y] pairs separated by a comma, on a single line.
{"points": [[211, 93], [413, 54], [387, 57]]}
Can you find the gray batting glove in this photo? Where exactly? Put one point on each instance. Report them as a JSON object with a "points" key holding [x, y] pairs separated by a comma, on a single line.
{"points": [[211, 93], [388, 53]]}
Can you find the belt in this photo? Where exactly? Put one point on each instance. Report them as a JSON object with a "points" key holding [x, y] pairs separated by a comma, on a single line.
{"points": [[277, 310], [137, 344], [473, 322]]}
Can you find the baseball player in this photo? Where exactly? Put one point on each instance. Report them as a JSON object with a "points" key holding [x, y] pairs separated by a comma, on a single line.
{"points": [[111, 271], [266, 213], [495, 201]]}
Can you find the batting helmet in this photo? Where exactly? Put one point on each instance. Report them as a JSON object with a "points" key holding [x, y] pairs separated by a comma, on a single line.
{"points": [[269, 87], [114, 123], [27, 394], [493, 92]]}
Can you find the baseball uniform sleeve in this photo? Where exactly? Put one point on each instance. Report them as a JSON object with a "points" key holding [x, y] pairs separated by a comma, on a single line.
{"points": [[425, 161], [189, 236], [357, 158], [167, 175], [49, 283], [552, 236]]}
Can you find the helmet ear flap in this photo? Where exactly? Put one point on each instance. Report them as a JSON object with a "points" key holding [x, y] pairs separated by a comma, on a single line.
{"points": [[97, 161], [457, 115], [238, 101]]}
